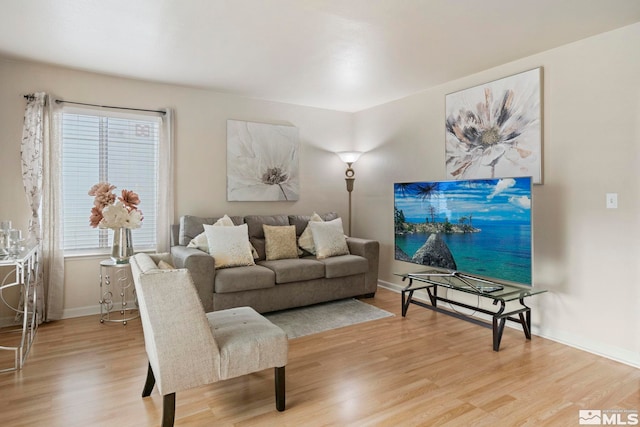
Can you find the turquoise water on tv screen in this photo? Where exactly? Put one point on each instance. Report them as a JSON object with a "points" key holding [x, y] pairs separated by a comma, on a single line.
{"points": [[502, 250]]}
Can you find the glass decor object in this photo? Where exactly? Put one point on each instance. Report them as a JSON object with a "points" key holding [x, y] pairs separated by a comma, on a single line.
{"points": [[15, 241], [5, 226], [122, 248]]}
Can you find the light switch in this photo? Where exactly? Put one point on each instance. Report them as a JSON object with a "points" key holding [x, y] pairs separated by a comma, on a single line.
{"points": [[612, 200]]}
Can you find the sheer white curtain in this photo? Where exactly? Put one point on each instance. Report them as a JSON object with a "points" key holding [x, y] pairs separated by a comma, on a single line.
{"points": [[165, 183], [39, 158], [52, 220]]}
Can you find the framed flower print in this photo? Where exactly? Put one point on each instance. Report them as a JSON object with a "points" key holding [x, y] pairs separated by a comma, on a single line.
{"points": [[494, 130], [262, 162]]}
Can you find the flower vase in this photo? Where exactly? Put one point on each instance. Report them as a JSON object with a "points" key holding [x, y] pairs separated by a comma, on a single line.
{"points": [[122, 248]]}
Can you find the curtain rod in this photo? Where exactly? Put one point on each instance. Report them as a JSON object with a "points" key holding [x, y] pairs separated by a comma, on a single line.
{"points": [[60, 101]]}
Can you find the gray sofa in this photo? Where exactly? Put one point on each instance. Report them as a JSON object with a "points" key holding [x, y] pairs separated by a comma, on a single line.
{"points": [[275, 284]]}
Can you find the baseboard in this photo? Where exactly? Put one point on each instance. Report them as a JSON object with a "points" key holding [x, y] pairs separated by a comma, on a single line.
{"points": [[7, 321], [617, 354], [70, 313], [91, 310], [80, 311]]}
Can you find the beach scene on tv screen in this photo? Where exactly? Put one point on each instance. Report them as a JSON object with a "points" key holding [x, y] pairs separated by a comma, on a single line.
{"points": [[479, 226]]}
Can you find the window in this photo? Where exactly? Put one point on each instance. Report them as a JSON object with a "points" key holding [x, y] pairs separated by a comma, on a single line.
{"points": [[122, 149]]}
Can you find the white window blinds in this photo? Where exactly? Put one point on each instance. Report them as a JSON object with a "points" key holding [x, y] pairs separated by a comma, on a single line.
{"points": [[103, 146]]}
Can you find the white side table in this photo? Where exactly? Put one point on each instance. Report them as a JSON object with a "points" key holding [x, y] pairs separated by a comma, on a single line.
{"points": [[25, 265], [117, 291]]}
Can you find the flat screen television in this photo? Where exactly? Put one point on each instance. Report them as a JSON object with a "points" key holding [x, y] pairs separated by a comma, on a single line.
{"points": [[480, 227]]}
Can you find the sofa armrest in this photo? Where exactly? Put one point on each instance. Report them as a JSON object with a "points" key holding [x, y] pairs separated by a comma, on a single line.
{"points": [[175, 234], [369, 249], [201, 265]]}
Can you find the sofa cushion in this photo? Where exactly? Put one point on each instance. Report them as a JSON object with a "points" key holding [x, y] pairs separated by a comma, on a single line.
{"points": [[259, 245], [295, 270], [240, 279], [256, 233], [280, 242], [202, 243], [301, 221], [328, 238], [255, 222], [229, 246], [345, 265], [305, 241], [191, 226]]}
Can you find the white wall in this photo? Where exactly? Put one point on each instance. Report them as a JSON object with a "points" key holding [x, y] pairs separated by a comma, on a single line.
{"points": [[587, 256], [200, 129]]}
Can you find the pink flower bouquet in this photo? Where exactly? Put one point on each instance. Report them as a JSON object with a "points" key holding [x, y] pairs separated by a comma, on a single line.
{"points": [[111, 212]]}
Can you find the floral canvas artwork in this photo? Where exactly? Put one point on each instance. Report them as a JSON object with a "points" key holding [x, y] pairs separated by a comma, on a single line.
{"points": [[262, 162], [495, 130]]}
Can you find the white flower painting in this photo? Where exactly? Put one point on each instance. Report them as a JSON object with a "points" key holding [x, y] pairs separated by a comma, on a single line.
{"points": [[262, 162], [495, 130]]}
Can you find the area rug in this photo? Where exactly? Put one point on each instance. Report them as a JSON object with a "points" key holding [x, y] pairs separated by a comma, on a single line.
{"points": [[298, 322]]}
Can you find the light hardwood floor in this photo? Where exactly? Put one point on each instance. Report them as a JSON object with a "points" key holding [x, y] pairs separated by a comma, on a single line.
{"points": [[426, 369]]}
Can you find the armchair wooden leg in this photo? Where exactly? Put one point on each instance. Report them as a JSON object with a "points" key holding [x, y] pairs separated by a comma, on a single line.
{"points": [[280, 388], [148, 385], [168, 409]]}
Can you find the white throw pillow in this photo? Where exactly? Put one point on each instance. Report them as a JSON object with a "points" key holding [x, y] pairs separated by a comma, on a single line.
{"points": [[229, 246], [201, 242], [225, 221], [328, 238], [305, 241]]}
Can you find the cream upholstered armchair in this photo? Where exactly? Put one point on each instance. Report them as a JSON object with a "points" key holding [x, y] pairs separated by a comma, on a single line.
{"points": [[187, 347]]}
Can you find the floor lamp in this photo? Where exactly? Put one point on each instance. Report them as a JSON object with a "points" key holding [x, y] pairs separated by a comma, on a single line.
{"points": [[349, 157]]}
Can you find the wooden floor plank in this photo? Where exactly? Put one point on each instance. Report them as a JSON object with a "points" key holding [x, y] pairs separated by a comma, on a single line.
{"points": [[422, 370]]}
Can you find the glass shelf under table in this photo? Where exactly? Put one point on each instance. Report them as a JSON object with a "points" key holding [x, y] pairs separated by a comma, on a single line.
{"points": [[498, 291]]}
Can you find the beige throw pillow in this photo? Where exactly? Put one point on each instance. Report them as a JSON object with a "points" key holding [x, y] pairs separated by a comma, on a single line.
{"points": [[328, 238], [280, 241], [229, 246], [305, 241], [164, 265]]}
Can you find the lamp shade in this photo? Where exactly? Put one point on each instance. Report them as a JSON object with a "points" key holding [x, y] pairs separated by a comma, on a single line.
{"points": [[349, 156]]}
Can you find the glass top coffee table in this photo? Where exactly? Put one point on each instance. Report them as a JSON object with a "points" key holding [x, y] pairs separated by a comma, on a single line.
{"points": [[500, 293]]}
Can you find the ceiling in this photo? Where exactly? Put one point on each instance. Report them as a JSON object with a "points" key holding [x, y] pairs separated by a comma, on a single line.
{"points": [[345, 55]]}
